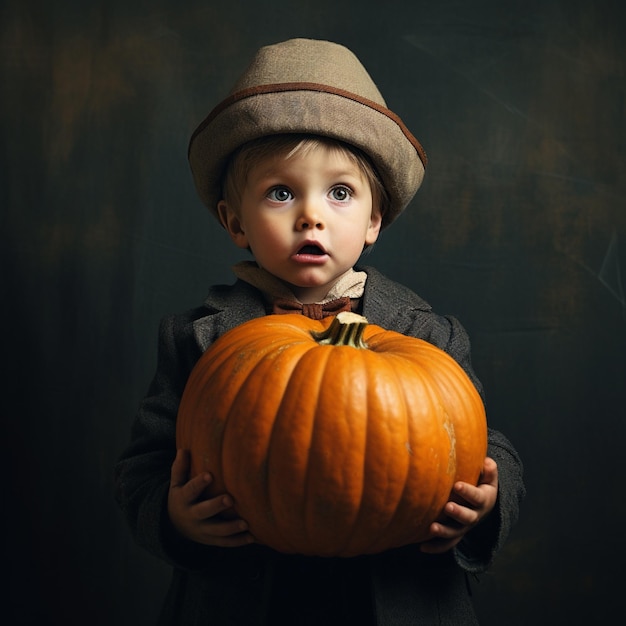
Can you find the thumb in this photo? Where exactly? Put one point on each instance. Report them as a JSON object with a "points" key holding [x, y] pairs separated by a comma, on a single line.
{"points": [[180, 469]]}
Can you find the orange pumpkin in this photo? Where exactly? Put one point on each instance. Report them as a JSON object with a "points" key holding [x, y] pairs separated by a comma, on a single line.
{"points": [[334, 437]]}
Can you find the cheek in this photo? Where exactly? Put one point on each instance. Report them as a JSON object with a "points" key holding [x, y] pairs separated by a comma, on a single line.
{"points": [[266, 234], [348, 242]]}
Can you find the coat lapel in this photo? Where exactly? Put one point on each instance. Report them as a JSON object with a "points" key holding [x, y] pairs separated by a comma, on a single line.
{"points": [[229, 306]]}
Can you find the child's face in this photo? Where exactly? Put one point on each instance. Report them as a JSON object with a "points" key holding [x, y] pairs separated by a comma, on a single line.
{"points": [[306, 219]]}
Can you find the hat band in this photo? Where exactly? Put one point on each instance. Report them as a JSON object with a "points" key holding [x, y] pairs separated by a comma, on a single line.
{"points": [[282, 87]]}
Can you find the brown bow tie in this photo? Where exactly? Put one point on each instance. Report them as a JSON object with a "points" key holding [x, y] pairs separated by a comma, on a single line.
{"points": [[314, 311]]}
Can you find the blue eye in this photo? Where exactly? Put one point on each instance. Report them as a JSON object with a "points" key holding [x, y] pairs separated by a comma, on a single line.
{"points": [[341, 193], [279, 194]]}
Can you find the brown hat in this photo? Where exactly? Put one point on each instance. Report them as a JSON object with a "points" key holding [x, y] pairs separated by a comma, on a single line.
{"points": [[311, 87]]}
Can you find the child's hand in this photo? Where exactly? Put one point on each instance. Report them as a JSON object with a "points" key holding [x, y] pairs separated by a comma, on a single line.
{"points": [[197, 518], [468, 505]]}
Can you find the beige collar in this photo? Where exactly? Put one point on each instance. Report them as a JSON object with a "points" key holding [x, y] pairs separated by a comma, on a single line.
{"points": [[351, 284]]}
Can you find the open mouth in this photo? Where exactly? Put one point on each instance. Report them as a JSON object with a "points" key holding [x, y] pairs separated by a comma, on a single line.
{"points": [[311, 249]]}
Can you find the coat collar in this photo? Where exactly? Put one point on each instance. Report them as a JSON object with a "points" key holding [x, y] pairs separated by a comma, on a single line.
{"points": [[385, 303], [389, 304], [228, 306]]}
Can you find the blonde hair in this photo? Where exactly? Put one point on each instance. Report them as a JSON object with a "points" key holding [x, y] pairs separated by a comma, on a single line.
{"points": [[253, 152]]}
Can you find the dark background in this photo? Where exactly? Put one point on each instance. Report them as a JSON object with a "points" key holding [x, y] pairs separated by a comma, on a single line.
{"points": [[519, 230]]}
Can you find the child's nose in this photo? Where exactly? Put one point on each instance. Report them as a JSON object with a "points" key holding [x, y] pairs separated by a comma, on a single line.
{"points": [[310, 216]]}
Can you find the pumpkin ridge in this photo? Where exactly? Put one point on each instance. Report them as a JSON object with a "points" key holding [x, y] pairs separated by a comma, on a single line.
{"points": [[349, 427], [311, 529], [193, 402], [411, 510], [468, 403], [248, 436], [377, 429], [288, 492], [397, 366], [441, 491], [199, 399]]}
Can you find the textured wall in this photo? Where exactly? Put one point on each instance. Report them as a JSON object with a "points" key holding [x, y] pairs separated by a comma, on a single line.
{"points": [[519, 230]]}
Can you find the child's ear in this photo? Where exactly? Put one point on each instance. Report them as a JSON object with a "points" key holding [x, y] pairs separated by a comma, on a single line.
{"points": [[374, 228], [231, 222]]}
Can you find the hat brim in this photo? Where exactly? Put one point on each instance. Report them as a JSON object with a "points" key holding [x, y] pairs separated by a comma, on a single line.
{"points": [[395, 153]]}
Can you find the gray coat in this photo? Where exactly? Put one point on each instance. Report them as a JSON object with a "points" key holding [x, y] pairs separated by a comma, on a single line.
{"points": [[225, 586]]}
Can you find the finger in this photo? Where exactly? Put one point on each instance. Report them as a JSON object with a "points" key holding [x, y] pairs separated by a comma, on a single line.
{"points": [[446, 531], [443, 538], [225, 528], [464, 493], [214, 506], [439, 546], [233, 541], [489, 474], [458, 514], [180, 469], [196, 487]]}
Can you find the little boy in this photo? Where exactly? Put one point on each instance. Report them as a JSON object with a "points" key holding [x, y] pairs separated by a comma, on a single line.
{"points": [[304, 166]]}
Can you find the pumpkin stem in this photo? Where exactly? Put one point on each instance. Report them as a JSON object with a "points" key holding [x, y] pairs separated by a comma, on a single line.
{"points": [[346, 329]]}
